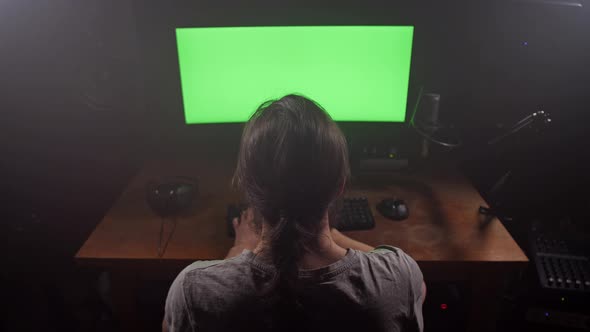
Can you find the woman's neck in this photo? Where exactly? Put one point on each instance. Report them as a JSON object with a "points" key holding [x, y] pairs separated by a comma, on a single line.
{"points": [[325, 253]]}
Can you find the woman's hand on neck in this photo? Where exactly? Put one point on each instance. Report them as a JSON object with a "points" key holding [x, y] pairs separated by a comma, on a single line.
{"points": [[325, 253]]}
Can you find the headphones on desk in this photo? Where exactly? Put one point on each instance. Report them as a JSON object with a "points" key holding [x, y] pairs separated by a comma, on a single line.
{"points": [[170, 196]]}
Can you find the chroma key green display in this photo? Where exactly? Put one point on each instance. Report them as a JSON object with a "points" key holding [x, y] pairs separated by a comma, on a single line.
{"points": [[357, 73]]}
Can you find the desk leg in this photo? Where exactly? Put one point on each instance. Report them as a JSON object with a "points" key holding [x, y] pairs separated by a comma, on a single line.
{"points": [[124, 287], [485, 301]]}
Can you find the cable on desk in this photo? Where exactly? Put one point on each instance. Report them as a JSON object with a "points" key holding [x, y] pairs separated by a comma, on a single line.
{"points": [[162, 248]]}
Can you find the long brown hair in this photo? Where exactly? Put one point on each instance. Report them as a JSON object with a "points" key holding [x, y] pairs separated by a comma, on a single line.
{"points": [[292, 164]]}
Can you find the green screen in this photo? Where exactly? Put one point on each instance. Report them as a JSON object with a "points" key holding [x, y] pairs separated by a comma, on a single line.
{"points": [[357, 73]]}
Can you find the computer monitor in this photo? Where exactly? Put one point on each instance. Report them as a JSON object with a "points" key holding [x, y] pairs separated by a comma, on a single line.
{"points": [[357, 73]]}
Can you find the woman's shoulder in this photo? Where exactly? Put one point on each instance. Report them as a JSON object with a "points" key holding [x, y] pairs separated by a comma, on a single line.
{"points": [[205, 282], [203, 268], [393, 261], [392, 253], [200, 265]]}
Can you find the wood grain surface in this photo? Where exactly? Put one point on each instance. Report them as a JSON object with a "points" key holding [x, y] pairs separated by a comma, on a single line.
{"points": [[444, 232]]}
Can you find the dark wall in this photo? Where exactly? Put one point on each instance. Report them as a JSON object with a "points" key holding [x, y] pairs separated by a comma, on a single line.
{"points": [[71, 129], [71, 135]]}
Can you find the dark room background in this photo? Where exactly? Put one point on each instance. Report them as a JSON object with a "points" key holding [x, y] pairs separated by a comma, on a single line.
{"points": [[89, 92]]}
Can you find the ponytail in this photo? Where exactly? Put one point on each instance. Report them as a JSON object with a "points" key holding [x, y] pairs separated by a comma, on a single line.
{"points": [[287, 242], [292, 164]]}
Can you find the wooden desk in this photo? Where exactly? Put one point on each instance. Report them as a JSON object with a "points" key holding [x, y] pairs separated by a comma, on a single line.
{"points": [[444, 232]]}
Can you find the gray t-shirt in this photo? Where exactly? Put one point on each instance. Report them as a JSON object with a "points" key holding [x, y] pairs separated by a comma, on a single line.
{"points": [[376, 291]]}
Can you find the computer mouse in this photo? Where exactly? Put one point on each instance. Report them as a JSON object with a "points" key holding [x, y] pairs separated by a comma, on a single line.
{"points": [[395, 209]]}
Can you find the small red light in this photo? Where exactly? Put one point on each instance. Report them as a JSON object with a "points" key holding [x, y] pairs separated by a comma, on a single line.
{"points": [[443, 306]]}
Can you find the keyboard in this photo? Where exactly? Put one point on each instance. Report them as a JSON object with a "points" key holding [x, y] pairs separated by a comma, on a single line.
{"points": [[354, 214]]}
